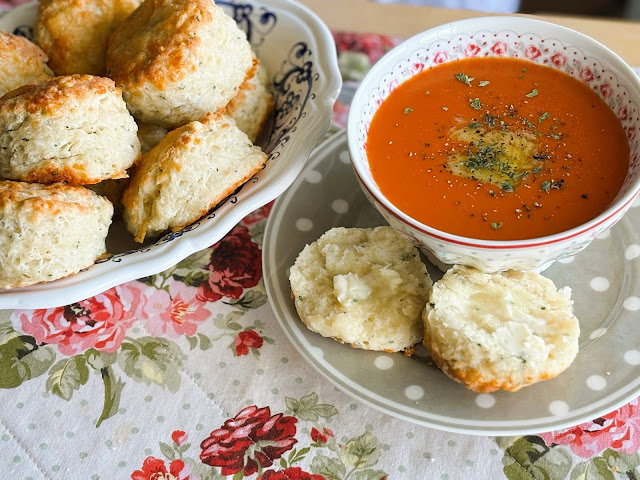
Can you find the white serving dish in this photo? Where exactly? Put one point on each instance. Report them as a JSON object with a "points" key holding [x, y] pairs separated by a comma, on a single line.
{"points": [[299, 52]]}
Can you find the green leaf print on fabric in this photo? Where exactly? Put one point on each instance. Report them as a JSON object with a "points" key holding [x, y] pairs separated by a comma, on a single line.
{"points": [[361, 452], [151, 360], [529, 458], [594, 469], [21, 358], [252, 299], [67, 375], [99, 360], [622, 462], [112, 391], [308, 408], [329, 468]]}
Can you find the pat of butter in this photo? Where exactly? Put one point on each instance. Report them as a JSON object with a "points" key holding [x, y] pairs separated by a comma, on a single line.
{"points": [[350, 288]]}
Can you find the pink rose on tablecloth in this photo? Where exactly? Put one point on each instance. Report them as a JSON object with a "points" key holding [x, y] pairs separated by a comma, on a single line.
{"points": [[440, 57], [176, 312], [246, 340], [371, 44], [499, 48], [251, 439], [179, 437], [155, 469], [257, 215], [558, 60], [98, 322], [319, 437], [619, 430], [471, 50], [291, 473], [532, 52], [235, 264], [586, 74]]}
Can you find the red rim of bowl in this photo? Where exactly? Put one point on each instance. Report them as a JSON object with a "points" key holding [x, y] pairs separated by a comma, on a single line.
{"points": [[616, 208]]}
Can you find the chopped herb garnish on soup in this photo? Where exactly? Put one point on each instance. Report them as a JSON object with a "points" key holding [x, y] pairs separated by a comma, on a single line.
{"points": [[466, 170], [464, 78]]}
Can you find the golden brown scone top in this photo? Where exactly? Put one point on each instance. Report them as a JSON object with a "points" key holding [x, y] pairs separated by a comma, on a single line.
{"points": [[44, 199], [75, 33], [54, 95], [16, 47], [153, 45]]}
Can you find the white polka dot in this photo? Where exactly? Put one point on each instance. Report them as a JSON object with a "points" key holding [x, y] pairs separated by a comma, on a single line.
{"points": [[596, 382], [632, 251], [599, 284], [597, 333], [485, 400], [632, 304], [340, 206], [558, 408], [344, 156], [632, 357], [304, 224], [383, 362], [604, 234], [313, 176], [566, 260], [414, 392]]}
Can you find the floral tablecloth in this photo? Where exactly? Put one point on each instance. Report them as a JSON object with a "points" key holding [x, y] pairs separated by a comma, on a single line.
{"points": [[187, 375]]}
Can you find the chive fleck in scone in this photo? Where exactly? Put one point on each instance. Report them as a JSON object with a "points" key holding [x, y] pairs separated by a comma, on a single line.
{"points": [[176, 60], [363, 287], [21, 62], [252, 105], [75, 33], [49, 231], [190, 171], [73, 129], [499, 331]]}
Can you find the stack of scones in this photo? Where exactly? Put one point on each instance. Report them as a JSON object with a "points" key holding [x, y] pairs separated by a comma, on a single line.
{"points": [[155, 110]]}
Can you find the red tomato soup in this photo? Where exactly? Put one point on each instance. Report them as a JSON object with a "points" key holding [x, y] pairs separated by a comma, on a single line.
{"points": [[497, 149]]}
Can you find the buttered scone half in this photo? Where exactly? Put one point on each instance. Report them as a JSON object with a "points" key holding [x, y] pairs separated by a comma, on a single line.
{"points": [[49, 231], [75, 33], [190, 171], [500, 331], [74, 129], [21, 62], [176, 60], [252, 105], [363, 287]]}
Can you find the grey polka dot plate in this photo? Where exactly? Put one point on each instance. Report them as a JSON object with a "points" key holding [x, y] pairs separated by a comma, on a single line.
{"points": [[605, 280]]}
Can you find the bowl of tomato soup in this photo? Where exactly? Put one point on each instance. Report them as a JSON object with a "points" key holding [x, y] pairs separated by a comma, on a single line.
{"points": [[498, 142]]}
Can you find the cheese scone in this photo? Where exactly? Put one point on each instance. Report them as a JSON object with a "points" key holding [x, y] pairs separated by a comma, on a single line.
{"points": [[499, 331], [252, 105], [176, 60], [363, 287], [21, 62], [190, 171], [74, 129], [75, 33], [49, 231]]}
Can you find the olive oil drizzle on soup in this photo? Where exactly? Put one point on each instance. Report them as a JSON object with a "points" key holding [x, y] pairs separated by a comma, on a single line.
{"points": [[498, 149]]}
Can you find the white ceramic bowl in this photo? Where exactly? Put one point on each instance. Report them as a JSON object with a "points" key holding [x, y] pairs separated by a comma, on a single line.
{"points": [[299, 52], [534, 40]]}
